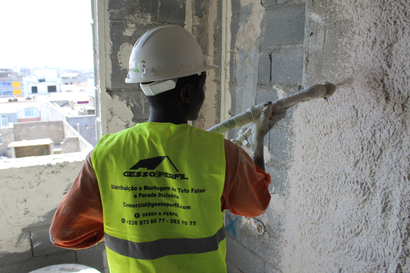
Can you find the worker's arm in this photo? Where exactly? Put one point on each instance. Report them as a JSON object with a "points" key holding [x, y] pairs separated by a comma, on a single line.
{"points": [[78, 221], [246, 189]]}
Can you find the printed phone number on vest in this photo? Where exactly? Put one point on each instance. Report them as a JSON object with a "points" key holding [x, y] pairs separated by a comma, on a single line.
{"points": [[157, 221]]}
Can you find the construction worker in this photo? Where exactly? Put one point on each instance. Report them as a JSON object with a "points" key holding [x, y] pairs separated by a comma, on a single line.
{"points": [[157, 192]]}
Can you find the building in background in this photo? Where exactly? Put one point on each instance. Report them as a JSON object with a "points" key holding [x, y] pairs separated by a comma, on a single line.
{"points": [[19, 110], [10, 83], [42, 82], [74, 107]]}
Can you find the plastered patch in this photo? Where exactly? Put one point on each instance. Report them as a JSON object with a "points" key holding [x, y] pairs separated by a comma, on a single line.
{"points": [[119, 116], [123, 55]]}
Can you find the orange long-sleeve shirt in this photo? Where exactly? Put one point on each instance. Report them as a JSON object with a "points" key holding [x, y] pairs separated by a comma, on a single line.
{"points": [[78, 221]]}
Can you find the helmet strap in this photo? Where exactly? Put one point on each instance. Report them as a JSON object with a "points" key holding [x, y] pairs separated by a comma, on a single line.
{"points": [[158, 87]]}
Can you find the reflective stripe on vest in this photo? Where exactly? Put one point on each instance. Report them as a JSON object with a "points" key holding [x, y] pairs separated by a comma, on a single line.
{"points": [[161, 186], [163, 247]]}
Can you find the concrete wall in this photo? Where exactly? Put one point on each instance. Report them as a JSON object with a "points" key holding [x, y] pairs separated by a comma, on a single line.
{"points": [[348, 207], [73, 140], [39, 130], [38, 150], [266, 64], [51, 112], [87, 127], [31, 190], [119, 26], [339, 168], [70, 145]]}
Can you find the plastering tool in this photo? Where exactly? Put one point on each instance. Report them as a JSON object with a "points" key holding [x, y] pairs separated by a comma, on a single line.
{"points": [[256, 114]]}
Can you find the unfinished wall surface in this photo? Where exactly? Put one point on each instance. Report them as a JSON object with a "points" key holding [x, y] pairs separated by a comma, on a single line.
{"points": [[38, 150], [266, 64], [31, 189], [339, 168], [348, 208], [38, 130], [119, 26]]}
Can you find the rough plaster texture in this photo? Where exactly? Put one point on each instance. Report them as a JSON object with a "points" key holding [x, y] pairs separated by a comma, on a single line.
{"points": [[340, 169], [266, 64], [348, 207], [31, 189], [39, 130]]}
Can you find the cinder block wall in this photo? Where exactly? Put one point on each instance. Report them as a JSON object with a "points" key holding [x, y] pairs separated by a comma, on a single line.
{"points": [[339, 168], [37, 150], [39, 130], [266, 64]]}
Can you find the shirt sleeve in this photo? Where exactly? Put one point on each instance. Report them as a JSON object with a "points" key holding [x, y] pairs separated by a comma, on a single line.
{"points": [[246, 189], [78, 221]]}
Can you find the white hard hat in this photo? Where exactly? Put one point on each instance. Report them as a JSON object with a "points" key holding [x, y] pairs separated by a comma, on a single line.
{"points": [[162, 54]]}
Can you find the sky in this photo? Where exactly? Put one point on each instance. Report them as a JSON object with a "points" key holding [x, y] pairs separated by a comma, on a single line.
{"points": [[39, 33]]}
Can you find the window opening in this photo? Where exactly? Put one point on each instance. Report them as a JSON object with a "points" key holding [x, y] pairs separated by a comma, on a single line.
{"points": [[30, 112], [4, 121], [52, 88]]}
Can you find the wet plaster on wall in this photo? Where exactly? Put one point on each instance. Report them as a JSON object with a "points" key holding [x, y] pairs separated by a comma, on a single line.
{"points": [[119, 116], [31, 189], [349, 203]]}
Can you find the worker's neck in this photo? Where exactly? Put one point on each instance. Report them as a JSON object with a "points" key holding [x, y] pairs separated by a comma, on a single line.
{"points": [[166, 117]]}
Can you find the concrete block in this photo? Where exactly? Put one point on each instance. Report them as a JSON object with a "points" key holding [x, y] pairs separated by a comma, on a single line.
{"points": [[290, 2], [236, 7], [279, 139], [93, 257], [268, 3], [149, 9], [284, 25], [287, 65], [172, 11], [120, 10], [245, 260], [231, 268], [264, 68], [41, 243], [39, 262], [7, 258], [235, 23], [264, 95]]}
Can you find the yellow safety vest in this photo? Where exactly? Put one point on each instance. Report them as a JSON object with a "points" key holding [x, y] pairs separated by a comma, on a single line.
{"points": [[161, 186]]}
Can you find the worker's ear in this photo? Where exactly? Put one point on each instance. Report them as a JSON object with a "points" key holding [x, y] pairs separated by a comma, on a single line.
{"points": [[186, 93]]}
